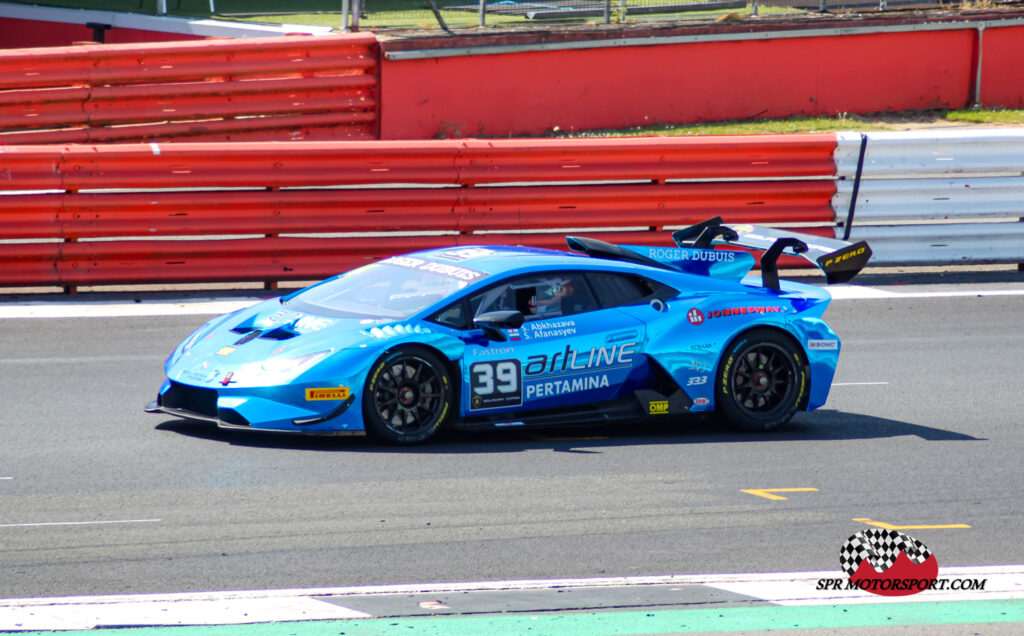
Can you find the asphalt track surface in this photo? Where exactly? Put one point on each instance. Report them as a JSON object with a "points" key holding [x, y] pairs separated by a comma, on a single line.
{"points": [[99, 498]]}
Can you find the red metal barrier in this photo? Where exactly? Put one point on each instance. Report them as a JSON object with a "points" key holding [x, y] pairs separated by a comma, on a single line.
{"points": [[283, 88], [455, 162], [404, 209], [430, 188], [240, 260]]}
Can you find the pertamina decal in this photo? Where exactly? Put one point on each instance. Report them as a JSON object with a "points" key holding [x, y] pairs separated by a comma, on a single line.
{"points": [[327, 393]]}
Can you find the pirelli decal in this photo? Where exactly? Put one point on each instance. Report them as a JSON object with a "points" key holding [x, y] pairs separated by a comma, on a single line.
{"points": [[327, 393]]}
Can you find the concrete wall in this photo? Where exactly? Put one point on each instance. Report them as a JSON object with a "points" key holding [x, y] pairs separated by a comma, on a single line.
{"points": [[518, 91]]}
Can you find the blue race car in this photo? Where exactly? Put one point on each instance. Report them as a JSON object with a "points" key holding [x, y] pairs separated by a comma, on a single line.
{"points": [[488, 337]]}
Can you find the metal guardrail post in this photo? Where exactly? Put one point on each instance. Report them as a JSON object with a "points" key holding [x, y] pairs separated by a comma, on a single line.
{"points": [[344, 15], [753, 9], [355, 15], [483, 12], [977, 77], [856, 186], [438, 16], [607, 11]]}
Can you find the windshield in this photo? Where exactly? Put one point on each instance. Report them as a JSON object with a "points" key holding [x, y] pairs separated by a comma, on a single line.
{"points": [[392, 289]]}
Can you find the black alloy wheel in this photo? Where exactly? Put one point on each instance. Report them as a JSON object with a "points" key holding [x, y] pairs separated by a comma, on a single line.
{"points": [[408, 396], [762, 381]]}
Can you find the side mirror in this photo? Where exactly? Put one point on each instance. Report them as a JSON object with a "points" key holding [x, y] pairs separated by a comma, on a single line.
{"points": [[494, 321]]}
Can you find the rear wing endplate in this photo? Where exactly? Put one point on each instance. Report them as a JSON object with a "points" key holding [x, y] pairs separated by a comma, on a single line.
{"points": [[840, 260]]}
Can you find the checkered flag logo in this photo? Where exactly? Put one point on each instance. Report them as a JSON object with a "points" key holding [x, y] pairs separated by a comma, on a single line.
{"points": [[880, 548]]}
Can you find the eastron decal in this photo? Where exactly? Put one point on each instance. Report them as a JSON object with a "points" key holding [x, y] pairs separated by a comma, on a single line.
{"points": [[327, 393], [492, 351]]}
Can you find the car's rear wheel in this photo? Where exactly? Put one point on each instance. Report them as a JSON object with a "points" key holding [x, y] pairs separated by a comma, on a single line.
{"points": [[408, 396], [762, 381]]}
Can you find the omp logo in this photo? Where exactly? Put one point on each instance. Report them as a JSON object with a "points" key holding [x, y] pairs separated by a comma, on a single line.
{"points": [[839, 258], [327, 393], [659, 407]]}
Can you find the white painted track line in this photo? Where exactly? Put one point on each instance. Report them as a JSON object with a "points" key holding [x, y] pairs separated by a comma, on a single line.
{"points": [[228, 611], [855, 292], [1001, 583], [105, 309], [208, 608], [75, 523]]}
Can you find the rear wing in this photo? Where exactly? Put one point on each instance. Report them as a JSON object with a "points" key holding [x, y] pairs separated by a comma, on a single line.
{"points": [[840, 260]]}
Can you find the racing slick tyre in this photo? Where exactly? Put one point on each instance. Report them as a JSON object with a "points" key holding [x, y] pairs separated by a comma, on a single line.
{"points": [[408, 396], [762, 381]]}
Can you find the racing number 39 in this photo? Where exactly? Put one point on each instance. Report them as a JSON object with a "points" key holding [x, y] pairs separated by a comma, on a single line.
{"points": [[496, 383]]}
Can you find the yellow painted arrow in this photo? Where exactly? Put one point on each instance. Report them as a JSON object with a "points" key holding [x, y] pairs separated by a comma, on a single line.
{"points": [[767, 492], [889, 526]]}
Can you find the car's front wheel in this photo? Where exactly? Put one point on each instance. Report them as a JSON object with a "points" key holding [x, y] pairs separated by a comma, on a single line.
{"points": [[762, 381], [408, 396]]}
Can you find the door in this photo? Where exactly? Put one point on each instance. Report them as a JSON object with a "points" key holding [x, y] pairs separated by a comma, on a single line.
{"points": [[567, 352]]}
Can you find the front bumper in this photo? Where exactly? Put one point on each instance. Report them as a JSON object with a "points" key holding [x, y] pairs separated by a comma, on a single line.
{"points": [[234, 409]]}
